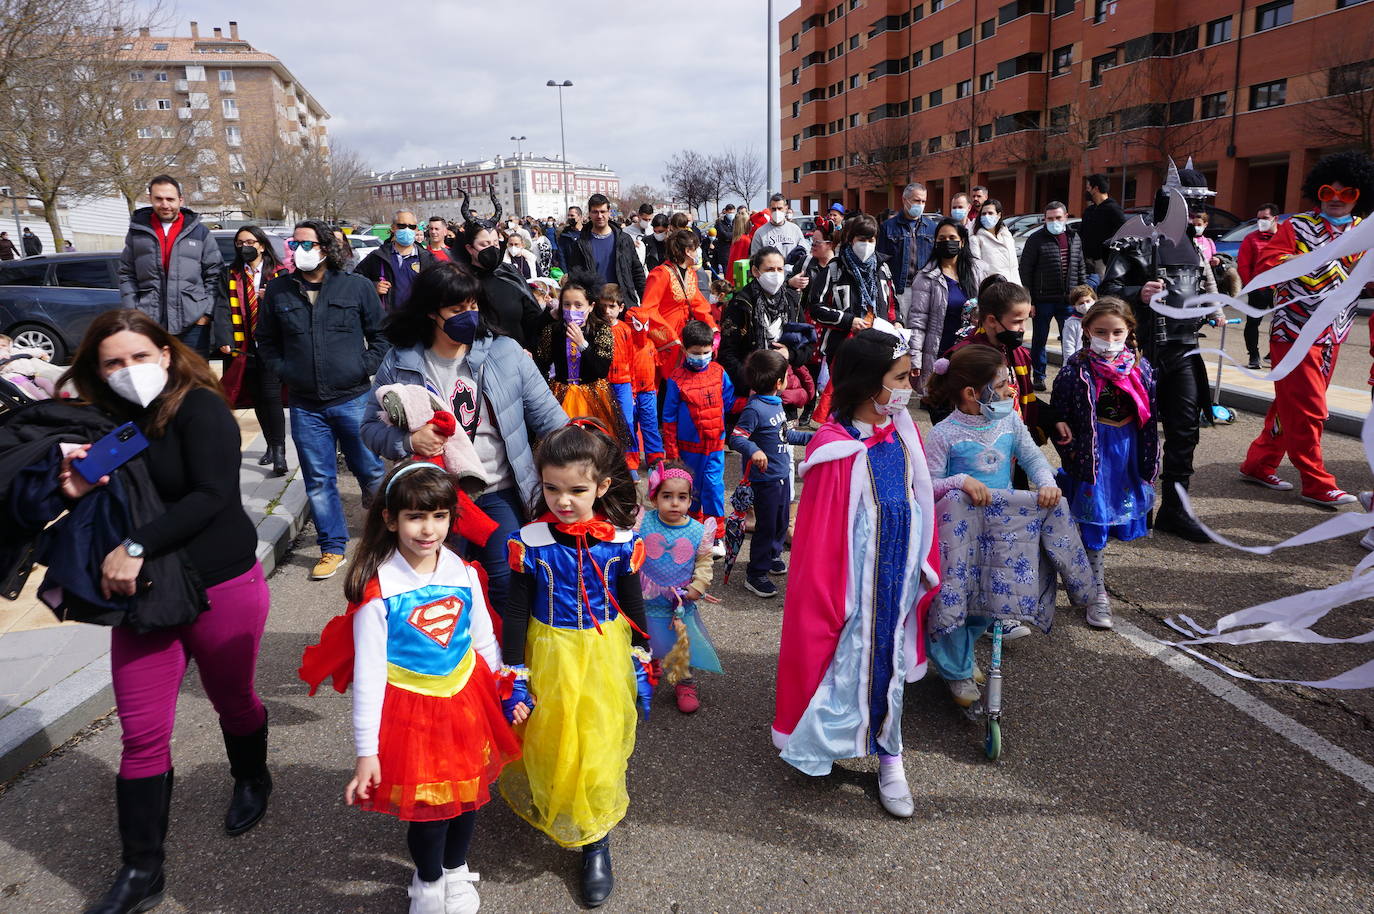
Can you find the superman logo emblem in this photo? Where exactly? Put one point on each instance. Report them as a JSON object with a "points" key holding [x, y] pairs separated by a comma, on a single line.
{"points": [[438, 619]]}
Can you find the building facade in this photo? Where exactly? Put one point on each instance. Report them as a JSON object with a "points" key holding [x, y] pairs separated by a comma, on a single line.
{"points": [[219, 115], [524, 184], [1028, 97]]}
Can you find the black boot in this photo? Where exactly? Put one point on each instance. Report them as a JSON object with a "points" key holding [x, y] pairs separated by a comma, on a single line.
{"points": [[278, 454], [804, 420], [597, 878], [266, 457], [252, 781], [1171, 518], [144, 805]]}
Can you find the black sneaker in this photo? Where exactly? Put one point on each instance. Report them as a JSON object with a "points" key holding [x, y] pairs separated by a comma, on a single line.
{"points": [[1039, 384], [778, 567], [1254, 364], [763, 588]]}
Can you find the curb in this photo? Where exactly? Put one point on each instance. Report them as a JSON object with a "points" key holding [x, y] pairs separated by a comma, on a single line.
{"points": [[278, 507]]}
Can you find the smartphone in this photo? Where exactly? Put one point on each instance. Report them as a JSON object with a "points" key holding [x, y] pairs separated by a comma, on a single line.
{"points": [[111, 452]]}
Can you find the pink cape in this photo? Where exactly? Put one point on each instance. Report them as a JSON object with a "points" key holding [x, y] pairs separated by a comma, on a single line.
{"points": [[814, 609]]}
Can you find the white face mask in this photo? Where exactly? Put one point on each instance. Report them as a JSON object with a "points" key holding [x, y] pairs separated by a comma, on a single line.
{"points": [[141, 383], [1265, 225], [307, 261], [778, 216], [659, 236], [897, 400], [863, 250], [1106, 347], [771, 282]]}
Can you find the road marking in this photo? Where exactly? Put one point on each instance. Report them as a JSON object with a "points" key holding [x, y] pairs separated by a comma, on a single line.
{"points": [[1306, 739]]}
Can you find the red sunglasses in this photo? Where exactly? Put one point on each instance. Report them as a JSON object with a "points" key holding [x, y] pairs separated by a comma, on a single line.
{"points": [[1326, 193]]}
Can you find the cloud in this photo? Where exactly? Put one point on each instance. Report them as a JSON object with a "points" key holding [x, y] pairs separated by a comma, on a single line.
{"points": [[437, 80]]}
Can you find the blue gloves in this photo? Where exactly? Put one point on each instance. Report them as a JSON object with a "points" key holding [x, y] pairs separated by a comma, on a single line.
{"points": [[518, 679], [644, 679]]}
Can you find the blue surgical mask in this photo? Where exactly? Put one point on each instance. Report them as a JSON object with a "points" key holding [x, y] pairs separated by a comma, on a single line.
{"points": [[462, 327], [697, 362], [997, 410], [1056, 228], [405, 237], [989, 221], [914, 212], [1341, 220], [958, 212]]}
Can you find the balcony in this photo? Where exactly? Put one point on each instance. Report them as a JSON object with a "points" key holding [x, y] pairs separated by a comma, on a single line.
{"points": [[227, 85], [184, 113], [183, 86], [231, 115]]}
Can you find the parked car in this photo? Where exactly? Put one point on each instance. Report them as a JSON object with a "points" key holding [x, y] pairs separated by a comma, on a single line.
{"points": [[1219, 221], [1028, 229], [363, 244], [1230, 242], [48, 301], [225, 239], [1015, 224]]}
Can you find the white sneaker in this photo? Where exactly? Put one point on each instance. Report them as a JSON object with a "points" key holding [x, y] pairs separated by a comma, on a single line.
{"points": [[460, 891], [718, 550], [893, 791], [1099, 612], [1015, 631], [426, 897], [964, 691]]}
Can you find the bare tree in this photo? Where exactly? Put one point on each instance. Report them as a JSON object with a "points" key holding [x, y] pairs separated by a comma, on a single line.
{"points": [[631, 198], [717, 178], [973, 118], [1345, 116], [330, 185], [744, 173], [137, 142], [879, 156], [687, 177]]}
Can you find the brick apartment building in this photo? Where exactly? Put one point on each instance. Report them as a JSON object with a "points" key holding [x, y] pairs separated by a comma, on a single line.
{"points": [[1029, 96], [212, 110]]}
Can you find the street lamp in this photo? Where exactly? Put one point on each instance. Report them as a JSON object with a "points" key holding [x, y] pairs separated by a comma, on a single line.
{"points": [[518, 140], [515, 192], [563, 136]]}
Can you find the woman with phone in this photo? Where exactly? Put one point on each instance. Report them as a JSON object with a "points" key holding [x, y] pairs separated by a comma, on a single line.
{"points": [[129, 368]]}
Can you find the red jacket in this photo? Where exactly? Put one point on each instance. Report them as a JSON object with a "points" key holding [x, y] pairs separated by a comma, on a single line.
{"points": [[671, 299], [800, 388], [1247, 261], [622, 363]]}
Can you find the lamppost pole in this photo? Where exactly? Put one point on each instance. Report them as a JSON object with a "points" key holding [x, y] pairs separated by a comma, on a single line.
{"points": [[518, 140], [562, 134]]}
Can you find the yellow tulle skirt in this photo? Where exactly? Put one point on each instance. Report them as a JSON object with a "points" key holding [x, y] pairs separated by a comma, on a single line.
{"points": [[570, 781], [595, 400]]}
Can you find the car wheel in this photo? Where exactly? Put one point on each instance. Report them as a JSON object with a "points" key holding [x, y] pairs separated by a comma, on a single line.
{"points": [[32, 336]]}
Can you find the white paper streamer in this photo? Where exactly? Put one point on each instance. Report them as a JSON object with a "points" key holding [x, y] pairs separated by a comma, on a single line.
{"points": [[1290, 619]]}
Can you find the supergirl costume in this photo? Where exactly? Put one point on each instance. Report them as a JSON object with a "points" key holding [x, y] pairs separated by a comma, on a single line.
{"points": [[854, 615], [578, 377], [677, 558], [420, 651], [574, 598]]}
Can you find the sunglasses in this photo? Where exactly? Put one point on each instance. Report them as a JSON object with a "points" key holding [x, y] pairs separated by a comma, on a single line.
{"points": [[302, 245], [409, 225], [1326, 193]]}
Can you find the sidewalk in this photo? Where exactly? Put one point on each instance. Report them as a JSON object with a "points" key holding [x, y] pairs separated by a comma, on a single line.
{"points": [[57, 675]]}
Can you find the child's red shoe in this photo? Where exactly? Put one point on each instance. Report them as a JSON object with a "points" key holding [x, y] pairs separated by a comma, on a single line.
{"points": [[687, 700]]}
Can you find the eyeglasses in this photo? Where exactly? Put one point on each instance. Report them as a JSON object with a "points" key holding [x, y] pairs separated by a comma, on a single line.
{"points": [[1326, 193], [302, 245], [409, 225]]}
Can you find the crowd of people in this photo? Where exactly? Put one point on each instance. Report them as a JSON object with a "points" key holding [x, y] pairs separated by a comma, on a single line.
{"points": [[560, 406]]}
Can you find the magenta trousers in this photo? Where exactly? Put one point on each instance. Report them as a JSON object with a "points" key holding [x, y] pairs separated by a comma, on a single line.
{"points": [[148, 670]]}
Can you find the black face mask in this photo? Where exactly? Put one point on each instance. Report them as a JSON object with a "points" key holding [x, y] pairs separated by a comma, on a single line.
{"points": [[1010, 339], [947, 250], [489, 258], [248, 253]]}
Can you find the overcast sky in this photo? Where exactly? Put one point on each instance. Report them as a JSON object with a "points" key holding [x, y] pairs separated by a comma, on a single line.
{"points": [[647, 82]]}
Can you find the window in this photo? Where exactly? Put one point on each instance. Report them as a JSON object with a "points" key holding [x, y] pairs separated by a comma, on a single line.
{"points": [[160, 46], [854, 80], [231, 107], [1019, 8], [199, 100], [23, 274], [963, 89], [167, 133], [209, 184], [937, 5], [160, 76], [985, 82], [796, 141], [1181, 112], [1101, 64], [1059, 120], [796, 40], [963, 137], [1012, 123], [984, 132], [815, 57], [1102, 9], [206, 157], [232, 136], [1342, 4], [814, 130], [1138, 116], [195, 74], [933, 144], [796, 108], [853, 42], [812, 95], [136, 76], [242, 186], [937, 50], [1063, 7], [1350, 79], [1099, 126], [1154, 45], [1063, 60], [917, 58], [889, 67], [1273, 15], [226, 76], [916, 104], [853, 120], [236, 162], [1268, 95], [987, 29], [1026, 63], [796, 75], [140, 104], [937, 98], [164, 104], [1218, 30], [917, 13], [1185, 40], [145, 133], [965, 38], [888, 24]]}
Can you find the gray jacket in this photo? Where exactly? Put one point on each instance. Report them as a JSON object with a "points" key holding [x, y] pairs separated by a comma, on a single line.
{"points": [[183, 294], [926, 319], [506, 376]]}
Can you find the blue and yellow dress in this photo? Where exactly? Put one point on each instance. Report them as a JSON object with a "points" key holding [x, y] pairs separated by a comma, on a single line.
{"points": [[574, 599]]}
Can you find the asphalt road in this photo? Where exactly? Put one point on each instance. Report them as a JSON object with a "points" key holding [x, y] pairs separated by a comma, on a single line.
{"points": [[1124, 786]]}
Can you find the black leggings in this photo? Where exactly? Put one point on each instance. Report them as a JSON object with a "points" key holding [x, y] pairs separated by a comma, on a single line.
{"points": [[436, 846], [266, 390]]}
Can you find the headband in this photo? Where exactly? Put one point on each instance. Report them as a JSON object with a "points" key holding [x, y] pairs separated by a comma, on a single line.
{"points": [[409, 467], [658, 477]]}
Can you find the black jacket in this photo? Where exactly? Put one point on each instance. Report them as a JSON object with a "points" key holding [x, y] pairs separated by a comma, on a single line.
{"points": [[380, 263], [1043, 274], [328, 352], [510, 306], [720, 247], [33, 245], [654, 251], [628, 271], [741, 331], [1100, 223], [183, 293]]}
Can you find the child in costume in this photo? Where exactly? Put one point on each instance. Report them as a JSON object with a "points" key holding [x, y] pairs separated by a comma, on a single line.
{"points": [[762, 436], [694, 405], [644, 385], [621, 374], [1106, 391], [1081, 298], [677, 570], [575, 350], [975, 448], [417, 644], [575, 641], [865, 565]]}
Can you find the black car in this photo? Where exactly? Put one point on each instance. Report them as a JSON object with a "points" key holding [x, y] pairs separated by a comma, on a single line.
{"points": [[1219, 221], [47, 302]]}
